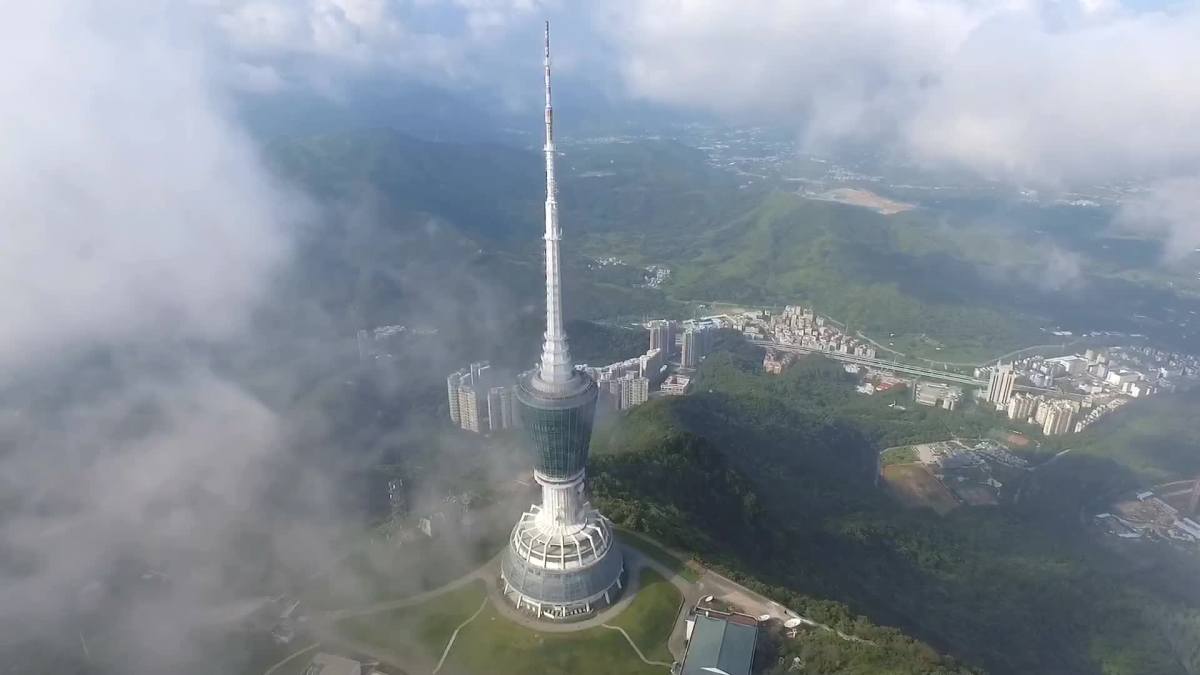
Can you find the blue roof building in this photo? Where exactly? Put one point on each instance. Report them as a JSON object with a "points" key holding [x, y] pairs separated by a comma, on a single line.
{"points": [[720, 644]]}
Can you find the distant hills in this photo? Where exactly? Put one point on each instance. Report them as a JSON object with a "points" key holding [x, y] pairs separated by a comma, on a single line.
{"points": [[957, 284]]}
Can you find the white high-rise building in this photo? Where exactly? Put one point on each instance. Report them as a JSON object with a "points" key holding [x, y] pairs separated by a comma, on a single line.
{"points": [[690, 354], [495, 406], [1058, 419], [660, 336], [1000, 386], [508, 408], [471, 409], [634, 390], [1022, 406], [453, 383], [651, 362], [480, 372], [1040, 412]]}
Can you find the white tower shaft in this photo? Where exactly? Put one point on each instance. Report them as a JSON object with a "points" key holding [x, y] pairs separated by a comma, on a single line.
{"points": [[556, 367]]}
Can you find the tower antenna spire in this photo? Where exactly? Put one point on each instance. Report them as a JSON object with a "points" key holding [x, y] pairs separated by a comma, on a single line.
{"points": [[556, 367]]}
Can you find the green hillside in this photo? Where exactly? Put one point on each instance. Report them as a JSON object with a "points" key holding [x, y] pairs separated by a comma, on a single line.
{"points": [[853, 265], [950, 283], [771, 477]]}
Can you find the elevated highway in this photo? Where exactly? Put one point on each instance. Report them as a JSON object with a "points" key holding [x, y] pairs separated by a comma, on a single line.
{"points": [[906, 368]]}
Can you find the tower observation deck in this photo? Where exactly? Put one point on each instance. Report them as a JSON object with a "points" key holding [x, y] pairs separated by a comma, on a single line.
{"points": [[562, 559]]}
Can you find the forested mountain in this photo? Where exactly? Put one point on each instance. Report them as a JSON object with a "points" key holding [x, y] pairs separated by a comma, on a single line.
{"points": [[771, 477], [949, 285]]}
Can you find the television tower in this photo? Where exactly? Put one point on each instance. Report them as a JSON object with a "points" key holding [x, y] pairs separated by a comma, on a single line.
{"points": [[562, 559]]}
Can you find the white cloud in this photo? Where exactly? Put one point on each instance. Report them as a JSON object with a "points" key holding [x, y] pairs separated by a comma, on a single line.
{"points": [[1169, 209], [139, 232], [1104, 100], [429, 39], [1048, 92], [131, 205], [839, 68]]}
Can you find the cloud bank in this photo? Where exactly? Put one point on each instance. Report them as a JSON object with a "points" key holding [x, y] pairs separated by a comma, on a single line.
{"points": [[140, 232], [1054, 95], [1037, 92], [133, 207]]}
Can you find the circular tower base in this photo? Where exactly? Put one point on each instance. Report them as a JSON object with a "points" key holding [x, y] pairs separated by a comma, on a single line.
{"points": [[557, 572]]}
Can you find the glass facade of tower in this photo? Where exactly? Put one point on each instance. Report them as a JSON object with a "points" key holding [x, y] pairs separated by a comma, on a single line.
{"points": [[563, 588], [560, 428]]}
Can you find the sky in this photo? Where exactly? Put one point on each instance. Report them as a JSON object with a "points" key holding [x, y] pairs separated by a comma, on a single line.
{"points": [[142, 230]]}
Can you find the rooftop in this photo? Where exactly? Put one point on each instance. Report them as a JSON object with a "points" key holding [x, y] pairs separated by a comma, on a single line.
{"points": [[329, 664], [720, 644]]}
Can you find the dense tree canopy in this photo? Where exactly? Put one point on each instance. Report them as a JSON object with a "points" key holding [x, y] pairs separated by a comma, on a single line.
{"points": [[771, 479]]}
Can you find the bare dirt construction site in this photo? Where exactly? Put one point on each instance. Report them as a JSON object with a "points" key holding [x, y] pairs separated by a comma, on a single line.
{"points": [[913, 485], [863, 198]]}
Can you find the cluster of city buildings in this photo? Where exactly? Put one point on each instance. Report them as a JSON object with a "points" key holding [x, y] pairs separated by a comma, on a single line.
{"points": [[483, 401], [1061, 395], [626, 383], [801, 327], [478, 403], [691, 339], [684, 343], [656, 275], [653, 276], [1082, 388]]}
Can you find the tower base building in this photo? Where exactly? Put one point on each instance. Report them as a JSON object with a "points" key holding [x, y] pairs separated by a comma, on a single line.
{"points": [[562, 572], [562, 558]]}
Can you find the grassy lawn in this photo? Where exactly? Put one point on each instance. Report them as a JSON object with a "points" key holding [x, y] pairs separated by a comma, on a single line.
{"points": [[902, 455], [491, 644], [377, 571], [651, 617], [659, 554], [427, 626]]}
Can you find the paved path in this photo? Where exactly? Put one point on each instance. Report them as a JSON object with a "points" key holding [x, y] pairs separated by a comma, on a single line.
{"points": [[488, 569], [454, 635], [635, 647], [291, 656]]}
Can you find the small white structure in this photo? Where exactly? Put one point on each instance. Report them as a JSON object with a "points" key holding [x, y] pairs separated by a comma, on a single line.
{"points": [[330, 664]]}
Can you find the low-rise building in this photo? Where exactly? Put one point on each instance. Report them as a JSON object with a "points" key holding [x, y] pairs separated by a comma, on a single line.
{"points": [[676, 384], [937, 395], [330, 664], [719, 642]]}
